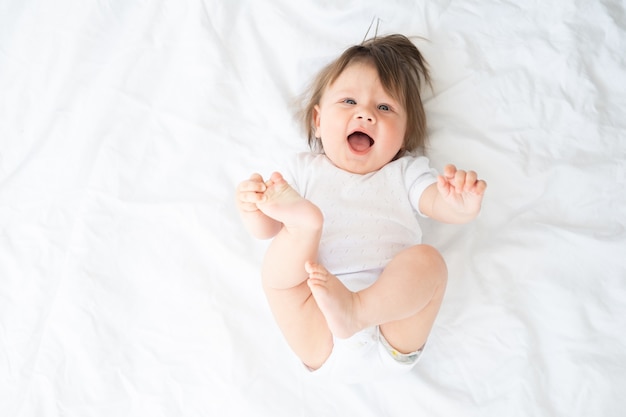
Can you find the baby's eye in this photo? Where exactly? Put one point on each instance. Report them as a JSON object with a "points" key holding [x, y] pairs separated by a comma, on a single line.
{"points": [[349, 101], [383, 107]]}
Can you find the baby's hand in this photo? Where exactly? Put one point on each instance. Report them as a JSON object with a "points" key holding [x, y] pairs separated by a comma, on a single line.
{"points": [[250, 192], [463, 191]]}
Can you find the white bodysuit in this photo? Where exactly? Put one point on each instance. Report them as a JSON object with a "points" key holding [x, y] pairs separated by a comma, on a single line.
{"points": [[368, 219]]}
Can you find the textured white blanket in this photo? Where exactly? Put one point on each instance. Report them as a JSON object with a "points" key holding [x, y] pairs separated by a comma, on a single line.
{"points": [[128, 286]]}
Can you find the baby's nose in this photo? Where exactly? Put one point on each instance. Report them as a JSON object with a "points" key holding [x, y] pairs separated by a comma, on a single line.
{"points": [[365, 115]]}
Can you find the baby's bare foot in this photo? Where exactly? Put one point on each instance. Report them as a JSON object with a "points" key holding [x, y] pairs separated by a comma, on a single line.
{"points": [[284, 204], [338, 304]]}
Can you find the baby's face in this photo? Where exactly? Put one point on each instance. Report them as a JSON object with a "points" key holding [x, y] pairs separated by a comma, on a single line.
{"points": [[360, 124]]}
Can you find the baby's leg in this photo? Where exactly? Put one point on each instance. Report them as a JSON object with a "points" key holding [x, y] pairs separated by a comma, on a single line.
{"points": [[299, 238], [284, 277], [404, 300], [415, 282], [340, 306]]}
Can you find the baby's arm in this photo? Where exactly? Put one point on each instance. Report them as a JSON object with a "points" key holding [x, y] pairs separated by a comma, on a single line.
{"points": [[249, 193], [455, 198]]}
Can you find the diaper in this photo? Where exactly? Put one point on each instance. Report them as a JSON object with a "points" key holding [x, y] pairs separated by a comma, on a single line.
{"points": [[366, 356]]}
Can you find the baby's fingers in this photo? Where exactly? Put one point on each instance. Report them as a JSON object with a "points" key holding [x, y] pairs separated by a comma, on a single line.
{"points": [[250, 192], [480, 188], [449, 172], [254, 184], [456, 178], [251, 197], [251, 187], [470, 181], [462, 181], [473, 184]]}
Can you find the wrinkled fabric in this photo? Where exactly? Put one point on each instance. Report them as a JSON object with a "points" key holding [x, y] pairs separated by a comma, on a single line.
{"points": [[128, 286]]}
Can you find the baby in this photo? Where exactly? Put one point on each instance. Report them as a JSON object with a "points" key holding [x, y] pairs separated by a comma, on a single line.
{"points": [[351, 287]]}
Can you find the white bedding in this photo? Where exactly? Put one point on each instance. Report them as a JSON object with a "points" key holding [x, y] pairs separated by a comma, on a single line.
{"points": [[128, 286]]}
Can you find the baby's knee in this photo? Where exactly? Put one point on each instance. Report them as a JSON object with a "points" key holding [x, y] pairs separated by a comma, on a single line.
{"points": [[430, 259]]}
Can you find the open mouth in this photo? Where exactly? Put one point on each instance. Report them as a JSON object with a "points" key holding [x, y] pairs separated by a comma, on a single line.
{"points": [[360, 142]]}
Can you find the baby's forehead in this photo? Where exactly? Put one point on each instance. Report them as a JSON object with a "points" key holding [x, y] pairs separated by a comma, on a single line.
{"points": [[386, 80]]}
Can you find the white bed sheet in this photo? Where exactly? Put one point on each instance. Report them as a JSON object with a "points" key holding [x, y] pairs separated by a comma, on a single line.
{"points": [[128, 286]]}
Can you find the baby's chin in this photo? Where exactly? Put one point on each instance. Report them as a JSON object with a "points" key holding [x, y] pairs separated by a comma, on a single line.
{"points": [[357, 166]]}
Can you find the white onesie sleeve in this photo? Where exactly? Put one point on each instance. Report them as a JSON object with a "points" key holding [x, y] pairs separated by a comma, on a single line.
{"points": [[419, 176]]}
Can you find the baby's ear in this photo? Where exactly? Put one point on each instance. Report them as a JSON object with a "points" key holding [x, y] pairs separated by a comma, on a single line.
{"points": [[316, 121]]}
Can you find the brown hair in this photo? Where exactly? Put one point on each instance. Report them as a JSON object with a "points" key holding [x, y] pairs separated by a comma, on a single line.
{"points": [[401, 68]]}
